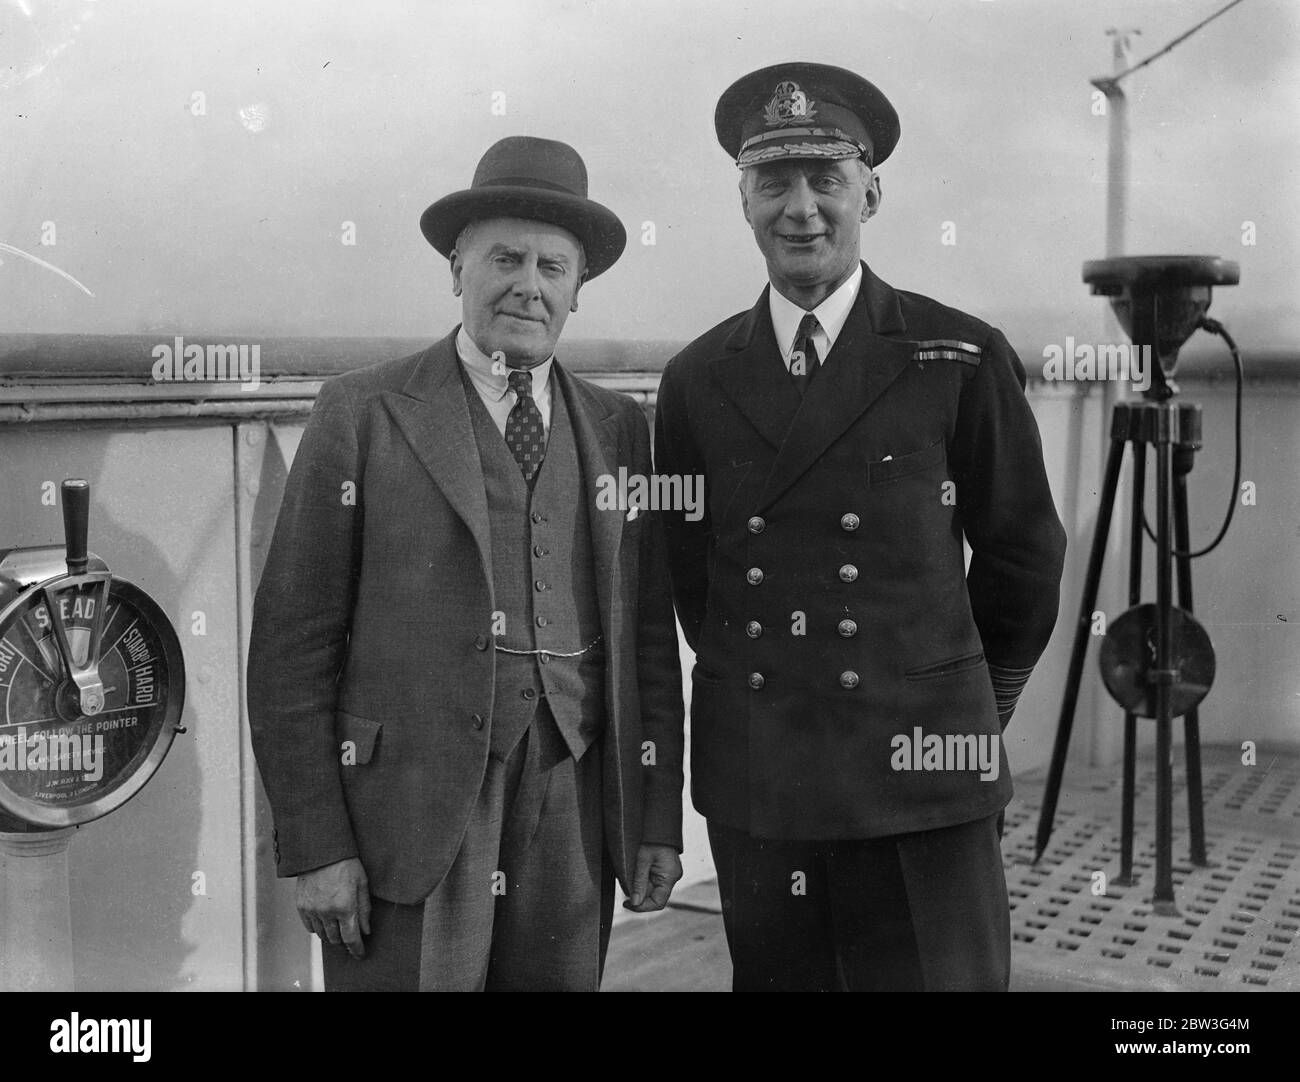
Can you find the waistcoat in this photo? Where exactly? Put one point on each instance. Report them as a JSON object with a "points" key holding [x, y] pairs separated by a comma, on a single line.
{"points": [[543, 583]]}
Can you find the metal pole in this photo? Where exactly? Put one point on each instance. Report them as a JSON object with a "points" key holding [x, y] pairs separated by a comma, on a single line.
{"points": [[1163, 674], [1065, 722], [1136, 541], [1103, 745], [1117, 149], [1182, 460], [36, 910]]}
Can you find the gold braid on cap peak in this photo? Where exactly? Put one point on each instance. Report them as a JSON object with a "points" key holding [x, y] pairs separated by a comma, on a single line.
{"points": [[838, 150]]}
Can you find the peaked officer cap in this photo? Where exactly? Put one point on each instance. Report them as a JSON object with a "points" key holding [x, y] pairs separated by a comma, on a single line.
{"points": [[805, 110]]}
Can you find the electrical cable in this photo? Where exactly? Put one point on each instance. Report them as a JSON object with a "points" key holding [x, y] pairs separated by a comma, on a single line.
{"points": [[1215, 327]]}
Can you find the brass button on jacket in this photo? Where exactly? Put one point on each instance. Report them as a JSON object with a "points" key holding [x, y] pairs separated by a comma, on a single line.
{"points": [[848, 573]]}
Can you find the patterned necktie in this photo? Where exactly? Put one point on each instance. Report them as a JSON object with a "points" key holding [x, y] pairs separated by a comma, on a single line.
{"points": [[525, 434], [804, 361]]}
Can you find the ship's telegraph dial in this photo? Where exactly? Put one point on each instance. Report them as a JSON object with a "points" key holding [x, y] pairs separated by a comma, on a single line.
{"points": [[92, 682]]}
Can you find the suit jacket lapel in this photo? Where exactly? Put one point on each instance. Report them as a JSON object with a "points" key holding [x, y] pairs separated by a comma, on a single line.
{"points": [[860, 366], [433, 416], [754, 377], [595, 431]]}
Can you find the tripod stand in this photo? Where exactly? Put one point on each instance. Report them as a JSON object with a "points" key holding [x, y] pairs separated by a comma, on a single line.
{"points": [[1156, 660]]}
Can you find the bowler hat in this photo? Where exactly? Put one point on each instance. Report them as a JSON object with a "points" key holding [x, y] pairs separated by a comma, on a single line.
{"points": [[539, 179], [804, 110]]}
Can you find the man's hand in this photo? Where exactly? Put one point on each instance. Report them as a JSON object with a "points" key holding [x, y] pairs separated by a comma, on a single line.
{"points": [[657, 871], [334, 903]]}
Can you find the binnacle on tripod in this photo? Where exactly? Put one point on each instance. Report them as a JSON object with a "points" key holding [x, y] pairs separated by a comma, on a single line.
{"points": [[1156, 660]]}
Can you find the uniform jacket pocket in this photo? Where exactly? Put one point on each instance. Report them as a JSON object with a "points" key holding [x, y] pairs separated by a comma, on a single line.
{"points": [[891, 469], [947, 667]]}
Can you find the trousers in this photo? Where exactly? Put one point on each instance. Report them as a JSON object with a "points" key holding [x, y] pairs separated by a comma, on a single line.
{"points": [[528, 902], [926, 911]]}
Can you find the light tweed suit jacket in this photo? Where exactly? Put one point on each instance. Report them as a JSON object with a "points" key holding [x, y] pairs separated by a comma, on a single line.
{"points": [[371, 619]]}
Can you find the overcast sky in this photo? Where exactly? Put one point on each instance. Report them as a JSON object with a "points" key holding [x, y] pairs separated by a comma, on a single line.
{"points": [[228, 219]]}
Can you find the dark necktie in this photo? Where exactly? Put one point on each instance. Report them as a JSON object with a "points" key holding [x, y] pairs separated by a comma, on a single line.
{"points": [[525, 434], [804, 361]]}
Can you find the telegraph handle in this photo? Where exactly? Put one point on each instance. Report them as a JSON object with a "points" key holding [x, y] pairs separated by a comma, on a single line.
{"points": [[76, 517]]}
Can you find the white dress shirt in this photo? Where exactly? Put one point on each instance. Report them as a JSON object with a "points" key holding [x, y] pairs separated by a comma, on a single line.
{"points": [[494, 388], [831, 315]]}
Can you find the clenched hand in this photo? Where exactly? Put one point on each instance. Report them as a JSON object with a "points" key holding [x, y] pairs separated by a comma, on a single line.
{"points": [[334, 903], [657, 871]]}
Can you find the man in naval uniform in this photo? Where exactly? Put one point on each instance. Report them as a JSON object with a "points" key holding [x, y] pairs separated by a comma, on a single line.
{"points": [[463, 677], [850, 673]]}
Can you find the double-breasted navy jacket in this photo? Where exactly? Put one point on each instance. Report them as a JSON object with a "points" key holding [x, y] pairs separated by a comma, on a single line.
{"points": [[825, 591]]}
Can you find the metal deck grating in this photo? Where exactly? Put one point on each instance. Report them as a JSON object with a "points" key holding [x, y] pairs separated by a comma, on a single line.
{"points": [[1238, 927]]}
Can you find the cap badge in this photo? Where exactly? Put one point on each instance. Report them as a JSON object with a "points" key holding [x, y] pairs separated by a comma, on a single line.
{"points": [[788, 103]]}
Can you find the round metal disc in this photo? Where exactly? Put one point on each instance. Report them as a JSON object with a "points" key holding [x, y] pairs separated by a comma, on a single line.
{"points": [[1128, 655], [58, 766], [1156, 271]]}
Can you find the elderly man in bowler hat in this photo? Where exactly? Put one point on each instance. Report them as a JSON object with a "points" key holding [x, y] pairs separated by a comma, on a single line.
{"points": [[463, 677], [852, 678]]}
